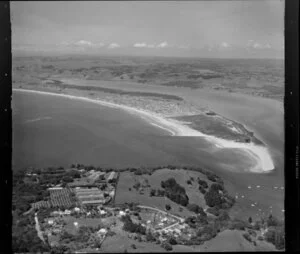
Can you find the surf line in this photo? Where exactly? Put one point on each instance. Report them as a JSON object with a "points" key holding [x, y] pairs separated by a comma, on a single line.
{"points": [[260, 154]]}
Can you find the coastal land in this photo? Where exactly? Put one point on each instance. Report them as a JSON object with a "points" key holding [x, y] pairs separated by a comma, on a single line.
{"points": [[119, 84], [90, 209], [200, 125]]}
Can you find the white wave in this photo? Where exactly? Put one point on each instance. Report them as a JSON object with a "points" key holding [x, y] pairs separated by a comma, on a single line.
{"points": [[259, 154], [38, 119], [172, 132]]}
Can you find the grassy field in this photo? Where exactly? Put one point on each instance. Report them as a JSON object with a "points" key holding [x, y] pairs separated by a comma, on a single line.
{"points": [[89, 222], [226, 241], [120, 243], [128, 179]]}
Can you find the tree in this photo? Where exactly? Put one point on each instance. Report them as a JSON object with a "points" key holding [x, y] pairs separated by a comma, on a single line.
{"points": [[202, 190], [202, 183], [152, 193], [172, 241], [250, 220], [168, 207], [213, 197], [216, 187], [150, 237], [193, 208], [167, 246], [67, 179], [175, 192], [223, 215], [272, 221], [213, 210], [137, 185]]}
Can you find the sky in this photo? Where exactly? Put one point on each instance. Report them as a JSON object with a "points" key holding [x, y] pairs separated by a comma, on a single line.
{"points": [[217, 29]]}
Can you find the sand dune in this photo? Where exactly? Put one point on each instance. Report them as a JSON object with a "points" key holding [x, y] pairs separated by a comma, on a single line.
{"points": [[259, 154]]}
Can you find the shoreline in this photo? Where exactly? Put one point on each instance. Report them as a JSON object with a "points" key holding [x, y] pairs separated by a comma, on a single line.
{"points": [[259, 154]]}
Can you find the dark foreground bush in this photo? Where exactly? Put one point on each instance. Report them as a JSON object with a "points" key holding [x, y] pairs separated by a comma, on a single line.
{"points": [[275, 235], [167, 246], [238, 224], [247, 237]]}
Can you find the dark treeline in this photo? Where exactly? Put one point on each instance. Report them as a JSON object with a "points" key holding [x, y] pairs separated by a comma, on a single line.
{"points": [[116, 91]]}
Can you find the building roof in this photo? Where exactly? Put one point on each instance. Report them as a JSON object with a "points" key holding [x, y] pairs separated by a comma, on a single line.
{"points": [[112, 175], [90, 197], [92, 201]]}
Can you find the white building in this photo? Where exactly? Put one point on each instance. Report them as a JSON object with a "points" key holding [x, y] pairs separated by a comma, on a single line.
{"points": [[102, 231], [122, 213], [102, 212]]}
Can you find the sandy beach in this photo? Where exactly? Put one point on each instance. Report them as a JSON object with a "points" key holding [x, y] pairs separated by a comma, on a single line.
{"points": [[260, 155]]}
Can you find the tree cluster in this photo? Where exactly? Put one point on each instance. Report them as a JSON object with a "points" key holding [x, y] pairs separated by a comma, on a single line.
{"points": [[217, 197], [131, 227], [276, 236], [213, 197], [196, 209], [157, 193], [24, 236], [175, 192], [202, 183]]}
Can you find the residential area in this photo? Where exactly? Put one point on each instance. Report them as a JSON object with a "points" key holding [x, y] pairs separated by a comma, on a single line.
{"points": [[77, 210]]}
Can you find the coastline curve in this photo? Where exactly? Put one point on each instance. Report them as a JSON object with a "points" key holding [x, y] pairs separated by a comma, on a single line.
{"points": [[259, 154]]}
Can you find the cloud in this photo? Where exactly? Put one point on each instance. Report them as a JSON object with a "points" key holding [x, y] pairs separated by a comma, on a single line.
{"points": [[162, 45], [113, 45], [224, 44], [256, 45], [143, 45], [140, 45], [83, 43]]}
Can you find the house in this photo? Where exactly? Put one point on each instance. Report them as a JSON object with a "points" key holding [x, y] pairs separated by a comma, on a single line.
{"points": [[96, 175], [112, 177], [177, 230], [102, 231], [102, 212], [122, 213]]}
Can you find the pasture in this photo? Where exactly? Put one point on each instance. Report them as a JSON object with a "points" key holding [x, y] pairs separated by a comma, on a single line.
{"points": [[127, 193]]}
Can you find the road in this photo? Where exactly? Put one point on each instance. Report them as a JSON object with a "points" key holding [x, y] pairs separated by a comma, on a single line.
{"points": [[161, 211], [38, 229], [173, 225]]}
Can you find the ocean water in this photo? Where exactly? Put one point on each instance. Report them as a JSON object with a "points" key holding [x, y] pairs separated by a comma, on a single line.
{"points": [[57, 131], [51, 130]]}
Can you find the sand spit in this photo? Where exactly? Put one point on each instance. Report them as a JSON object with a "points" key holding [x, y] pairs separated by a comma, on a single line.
{"points": [[259, 154]]}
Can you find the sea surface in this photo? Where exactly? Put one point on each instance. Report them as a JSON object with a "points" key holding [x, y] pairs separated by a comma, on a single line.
{"points": [[57, 131]]}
